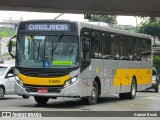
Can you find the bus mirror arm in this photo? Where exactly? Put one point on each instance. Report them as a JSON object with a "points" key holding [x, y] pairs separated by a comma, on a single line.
{"points": [[10, 45]]}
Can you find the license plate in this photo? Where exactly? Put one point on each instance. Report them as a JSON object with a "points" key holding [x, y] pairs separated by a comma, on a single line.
{"points": [[42, 90]]}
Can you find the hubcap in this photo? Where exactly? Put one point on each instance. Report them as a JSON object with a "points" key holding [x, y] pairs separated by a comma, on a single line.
{"points": [[94, 93]]}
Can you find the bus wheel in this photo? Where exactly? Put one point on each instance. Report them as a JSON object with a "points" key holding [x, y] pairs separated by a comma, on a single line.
{"points": [[91, 100], [132, 94], [41, 100]]}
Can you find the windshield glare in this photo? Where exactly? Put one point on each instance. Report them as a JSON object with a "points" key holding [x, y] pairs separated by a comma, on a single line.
{"points": [[2, 70], [47, 51]]}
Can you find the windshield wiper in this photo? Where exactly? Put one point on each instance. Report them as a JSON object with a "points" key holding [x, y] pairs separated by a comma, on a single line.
{"points": [[58, 41]]}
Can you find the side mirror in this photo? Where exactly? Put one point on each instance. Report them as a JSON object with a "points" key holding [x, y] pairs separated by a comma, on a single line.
{"points": [[10, 45], [9, 75]]}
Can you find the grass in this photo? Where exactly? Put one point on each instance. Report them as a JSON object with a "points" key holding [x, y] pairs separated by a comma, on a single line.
{"points": [[7, 32]]}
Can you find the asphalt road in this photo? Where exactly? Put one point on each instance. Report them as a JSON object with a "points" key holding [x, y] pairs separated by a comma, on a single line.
{"points": [[144, 101], [147, 100]]}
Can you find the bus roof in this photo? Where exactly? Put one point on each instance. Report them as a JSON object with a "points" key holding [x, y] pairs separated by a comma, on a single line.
{"points": [[95, 25], [108, 28]]}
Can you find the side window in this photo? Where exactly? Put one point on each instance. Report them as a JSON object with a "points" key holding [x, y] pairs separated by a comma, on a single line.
{"points": [[10, 73], [143, 45], [137, 48], [114, 45], [105, 44], [146, 50], [85, 44], [96, 44], [122, 46], [129, 47], [85, 49]]}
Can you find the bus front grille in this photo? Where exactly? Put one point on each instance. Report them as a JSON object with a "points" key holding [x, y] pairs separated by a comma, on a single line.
{"points": [[50, 89]]}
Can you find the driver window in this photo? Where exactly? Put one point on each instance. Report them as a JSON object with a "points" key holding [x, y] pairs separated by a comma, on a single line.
{"points": [[85, 50]]}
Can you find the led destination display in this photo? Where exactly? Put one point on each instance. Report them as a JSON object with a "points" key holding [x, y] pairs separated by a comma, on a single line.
{"points": [[48, 27]]}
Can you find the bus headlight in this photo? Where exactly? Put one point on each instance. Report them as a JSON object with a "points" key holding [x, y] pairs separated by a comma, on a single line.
{"points": [[71, 81], [19, 81]]}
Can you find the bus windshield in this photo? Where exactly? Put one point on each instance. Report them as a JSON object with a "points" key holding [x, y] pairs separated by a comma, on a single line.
{"points": [[47, 51]]}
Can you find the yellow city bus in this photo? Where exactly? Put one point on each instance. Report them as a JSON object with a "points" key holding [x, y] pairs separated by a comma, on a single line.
{"points": [[80, 59]]}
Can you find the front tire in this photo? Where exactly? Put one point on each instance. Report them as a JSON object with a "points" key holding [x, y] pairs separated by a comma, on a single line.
{"points": [[1, 92], [41, 100], [91, 100]]}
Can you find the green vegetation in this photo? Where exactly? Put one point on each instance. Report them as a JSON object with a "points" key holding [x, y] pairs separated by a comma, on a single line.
{"points": [[13, 44], [156, 61], [104, 18], [151, 26], [7, 32]]}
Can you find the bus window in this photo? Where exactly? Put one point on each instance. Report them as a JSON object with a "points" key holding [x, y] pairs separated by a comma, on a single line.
{"points": [[85, 53], [143, 45], [114, 45], [137, 48], [105, 44], [122, 46], [96, 45], [129, 47], [85, 49]]}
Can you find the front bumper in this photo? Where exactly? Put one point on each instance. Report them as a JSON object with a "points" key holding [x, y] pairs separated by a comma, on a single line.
{"points": [[70, 91]]}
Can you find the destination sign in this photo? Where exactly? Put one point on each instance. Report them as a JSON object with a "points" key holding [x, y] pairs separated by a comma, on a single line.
{"points": [[48, 27]]}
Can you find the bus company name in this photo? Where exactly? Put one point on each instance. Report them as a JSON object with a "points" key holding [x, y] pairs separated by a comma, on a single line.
{"points": [[49, 27]]}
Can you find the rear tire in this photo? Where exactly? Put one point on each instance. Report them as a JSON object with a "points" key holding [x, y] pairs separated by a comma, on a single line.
{"points": [[41, 100], [132, 93], [91, 100], [1, 92]]}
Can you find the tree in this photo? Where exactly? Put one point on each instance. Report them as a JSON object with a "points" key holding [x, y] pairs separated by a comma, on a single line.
{"points": [[151, 27], [156, 62], [104, 18], [143, 21]]}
